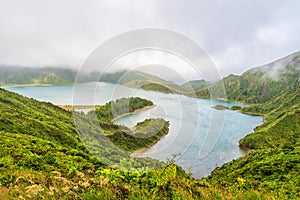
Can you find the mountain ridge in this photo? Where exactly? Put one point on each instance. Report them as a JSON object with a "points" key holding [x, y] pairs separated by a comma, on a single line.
{"points": [[255, 85]]}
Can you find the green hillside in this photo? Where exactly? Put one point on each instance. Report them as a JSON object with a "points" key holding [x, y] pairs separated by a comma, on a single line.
{"points": [[17, 75], [122, 77], [158, 86], [44, 120], [282, 123], [195, 85], [274, 171], [261, 84], [11, 75], [145, 134], [42, 157], [274, 164]]}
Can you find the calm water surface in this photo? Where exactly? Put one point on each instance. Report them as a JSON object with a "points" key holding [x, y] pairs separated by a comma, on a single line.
{"points": [[202, 136]]}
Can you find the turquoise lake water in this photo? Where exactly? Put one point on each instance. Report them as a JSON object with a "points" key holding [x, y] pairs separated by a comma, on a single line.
{"points": [[201, 136]]}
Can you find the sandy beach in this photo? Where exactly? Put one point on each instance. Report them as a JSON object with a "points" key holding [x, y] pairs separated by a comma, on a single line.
{"points": [[24, 85], [138, 152], [132, 113]]}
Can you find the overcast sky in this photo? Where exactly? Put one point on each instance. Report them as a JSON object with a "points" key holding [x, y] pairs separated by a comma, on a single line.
{"points": [[237, 34]]}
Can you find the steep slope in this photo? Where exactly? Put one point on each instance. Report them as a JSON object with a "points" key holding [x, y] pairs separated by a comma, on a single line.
{"points": [[43, 120], [42, 158], [273, 164], [263, 83], [32, 148], [274, 170], [282, 122]]}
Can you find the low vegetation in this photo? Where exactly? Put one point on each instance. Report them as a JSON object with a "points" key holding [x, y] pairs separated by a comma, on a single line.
{"points": [[43, 157], [40, 163], [145, 134]]}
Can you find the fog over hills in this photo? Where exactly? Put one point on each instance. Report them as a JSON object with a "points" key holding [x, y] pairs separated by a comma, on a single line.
{"points": [[278, 68], [262, 83]]}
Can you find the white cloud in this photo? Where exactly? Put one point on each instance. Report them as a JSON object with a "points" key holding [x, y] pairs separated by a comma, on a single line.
{"points": [[274, 35], [236, 34]]}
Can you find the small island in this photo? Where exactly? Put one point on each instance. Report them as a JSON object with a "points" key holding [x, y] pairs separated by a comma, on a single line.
{"points": [[220, 107]]}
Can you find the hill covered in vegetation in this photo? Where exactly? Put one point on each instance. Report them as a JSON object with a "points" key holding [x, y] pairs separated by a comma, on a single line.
{"points": [[42, 156], [195, 85], [17, 75], [273, 164], [260, 84]]}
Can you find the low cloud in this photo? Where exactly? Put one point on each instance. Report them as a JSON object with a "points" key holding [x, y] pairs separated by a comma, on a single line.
{"points": [[236, 34]]}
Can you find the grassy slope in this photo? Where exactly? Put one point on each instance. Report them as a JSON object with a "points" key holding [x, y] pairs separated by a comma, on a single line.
{"points": [[261, 84], [145, 134], [37, 163], [158, 86], [273, 170], [43, 120], [270, 171], [274, 165], [282, 122]]}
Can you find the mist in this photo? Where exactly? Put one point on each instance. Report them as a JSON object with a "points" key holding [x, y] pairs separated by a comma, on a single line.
{"points": [[236, 35]]}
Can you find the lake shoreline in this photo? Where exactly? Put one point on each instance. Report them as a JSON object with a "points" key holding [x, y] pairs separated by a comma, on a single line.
{"points": [[144, 150], [139, 152], [136, 153], [133, 113], [25, 85]]}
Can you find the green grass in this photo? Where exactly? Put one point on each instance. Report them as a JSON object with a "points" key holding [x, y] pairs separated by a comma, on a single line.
{"points": [[42, 155], [274, 171], [146, 134]]}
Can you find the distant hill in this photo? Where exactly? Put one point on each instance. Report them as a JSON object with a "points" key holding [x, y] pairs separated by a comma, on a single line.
{"points": [[158, 86], [123, 77], [261, 84], [256, 85], [16, 75], [11, 75], [194, 85]]}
